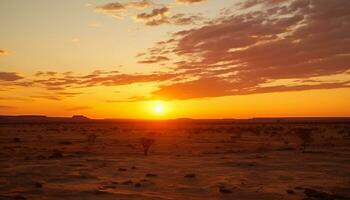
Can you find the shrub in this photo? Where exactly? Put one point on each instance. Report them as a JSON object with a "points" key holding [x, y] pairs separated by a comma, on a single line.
{"points": [[304, 135], [91, 138], [146, 144]]}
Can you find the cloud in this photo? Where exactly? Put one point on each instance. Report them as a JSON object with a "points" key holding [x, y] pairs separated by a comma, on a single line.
{"points": [[2, 107], [47, 73], [13, 99], [116, 9], [159, 16], [9, 76], [240, 53], [48, 97], [3, 52], [156, 17], [130, 99], [78, 108], [61, 83], [112, 7], [287, 46], [154, 59], [190, 1]]}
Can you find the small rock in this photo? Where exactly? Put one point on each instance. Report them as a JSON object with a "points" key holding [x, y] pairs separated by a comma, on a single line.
{"points": [[137, 184], [38, 185], [298, 188], [40, 157], [19, 197], [225, 190], [15, 197], [190, 176], [315, 194], [151, 175], [290, 191], [56, 154], [128, 182], [16, 139], [122, 169], [65, 143], [104, 187], [133, 167]]}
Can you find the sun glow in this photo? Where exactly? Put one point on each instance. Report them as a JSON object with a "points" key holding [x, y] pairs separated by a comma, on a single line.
{"points": [[159, 108]]}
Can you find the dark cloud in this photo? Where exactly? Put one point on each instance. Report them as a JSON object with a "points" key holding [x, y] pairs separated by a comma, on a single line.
{"points": [[3, 52], [159, 16], [47, 73], [112, 7], [117, 8], [61, 83], [9, 76], [154, 59], [48, 97], [156, 17], [238, 54]]}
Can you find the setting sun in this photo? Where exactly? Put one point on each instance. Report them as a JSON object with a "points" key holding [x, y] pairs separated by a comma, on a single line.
{"points": [[159, 108]]}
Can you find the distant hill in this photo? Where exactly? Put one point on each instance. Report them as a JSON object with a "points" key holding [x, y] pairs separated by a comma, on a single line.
{"points": [[83, 119], [41, 119]]}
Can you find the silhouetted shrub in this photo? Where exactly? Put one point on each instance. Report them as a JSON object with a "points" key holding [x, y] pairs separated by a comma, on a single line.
{"points": [[146, 144], [190, 175], [56, 154], [224, 190], [305, 136], [16, 140], [91, 138]]}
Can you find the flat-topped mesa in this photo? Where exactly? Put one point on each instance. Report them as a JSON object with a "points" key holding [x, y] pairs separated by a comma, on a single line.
{"points": [[80, 117]]}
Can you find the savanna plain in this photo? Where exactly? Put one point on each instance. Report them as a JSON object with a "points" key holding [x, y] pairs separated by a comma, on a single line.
{"points": [[178, 159]]}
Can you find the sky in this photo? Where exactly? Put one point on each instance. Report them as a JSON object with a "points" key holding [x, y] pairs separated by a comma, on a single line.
{"points": [[175, 58]]}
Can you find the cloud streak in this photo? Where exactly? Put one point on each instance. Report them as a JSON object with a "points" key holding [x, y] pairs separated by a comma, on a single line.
{"points": [[116, 8], [3, 52], [159, 16], [79, 108], [189, 1], [9, 76]]}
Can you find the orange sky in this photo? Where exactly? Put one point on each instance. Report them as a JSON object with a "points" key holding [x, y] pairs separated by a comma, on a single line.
{"points": [[175, 58]]}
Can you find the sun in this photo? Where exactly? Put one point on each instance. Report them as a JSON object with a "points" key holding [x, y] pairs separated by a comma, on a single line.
{"points": [[159, 108]]}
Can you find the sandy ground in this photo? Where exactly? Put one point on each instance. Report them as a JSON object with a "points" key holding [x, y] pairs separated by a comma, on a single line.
{"points": [[187, 161]]}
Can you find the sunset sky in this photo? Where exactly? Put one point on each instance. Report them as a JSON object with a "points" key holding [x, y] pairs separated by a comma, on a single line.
{"points": [[175, 58]]}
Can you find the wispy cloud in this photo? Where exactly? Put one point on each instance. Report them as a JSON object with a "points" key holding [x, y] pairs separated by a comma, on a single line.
{"points": [[78, 108], [190, 1], [117, 9], [9, 76], [3, 52], [159, 16], [2, 107]]}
